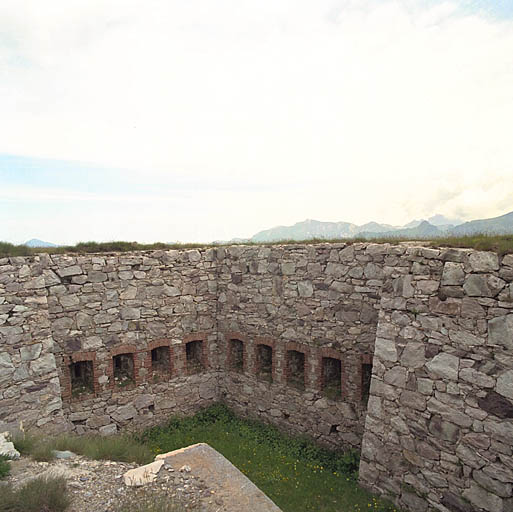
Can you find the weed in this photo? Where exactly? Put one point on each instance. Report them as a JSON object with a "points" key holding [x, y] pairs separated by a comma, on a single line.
{"points": [[5, 467], [123, 448], [39, 494], [38, 448], [43, 452], [147, 502], [24, 443]]}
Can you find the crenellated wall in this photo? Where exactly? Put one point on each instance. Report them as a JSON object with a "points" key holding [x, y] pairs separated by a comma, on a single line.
{"points": [[435, 327]]}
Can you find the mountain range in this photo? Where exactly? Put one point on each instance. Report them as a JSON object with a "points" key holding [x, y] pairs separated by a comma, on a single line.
{"points": [[433, 227]]}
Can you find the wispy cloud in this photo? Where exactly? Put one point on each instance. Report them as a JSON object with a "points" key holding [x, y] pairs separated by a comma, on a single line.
{"points": [[336, 109]]}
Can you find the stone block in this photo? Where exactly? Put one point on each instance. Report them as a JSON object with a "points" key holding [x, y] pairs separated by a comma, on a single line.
{"points": [[108, 430], [482, 261], [31, 352], [500, 331], [453, 274], [413, 355], [72, 270], [385, 350], [505, 384], [483, 499], [124, 413], [130, 314], [444, 365]]}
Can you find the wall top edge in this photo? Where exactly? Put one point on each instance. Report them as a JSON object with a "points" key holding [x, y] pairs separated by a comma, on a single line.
{"points": [[220, 250]]}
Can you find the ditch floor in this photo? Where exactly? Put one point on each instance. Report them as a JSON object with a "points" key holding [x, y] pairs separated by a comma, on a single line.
{"points": [[98, 485]]}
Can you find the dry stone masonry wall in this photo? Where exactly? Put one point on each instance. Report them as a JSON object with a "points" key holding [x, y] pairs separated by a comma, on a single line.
{"points": [[406, 352], [439, 427]]}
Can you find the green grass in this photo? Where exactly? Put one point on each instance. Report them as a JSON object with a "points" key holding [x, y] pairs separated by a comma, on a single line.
{"points": [[5, 467], [122, 448], [298, 475], [38, 495], [502, 244]]}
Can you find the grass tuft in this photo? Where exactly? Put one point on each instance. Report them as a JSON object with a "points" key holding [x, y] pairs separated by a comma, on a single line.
{"points": [[5, 467], [122, 448], [146, 502], [42, 494], [25, 443]]}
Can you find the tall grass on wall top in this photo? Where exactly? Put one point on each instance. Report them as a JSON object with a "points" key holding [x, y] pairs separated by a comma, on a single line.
{"points": [[502, 244]]}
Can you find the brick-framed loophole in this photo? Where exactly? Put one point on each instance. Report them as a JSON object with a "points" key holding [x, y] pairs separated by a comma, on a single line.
{"points": [[265, 359], [123, 368], [79, 376], [331, 374], [236, 352], [296, 366], [159, 361], [193, 358]]}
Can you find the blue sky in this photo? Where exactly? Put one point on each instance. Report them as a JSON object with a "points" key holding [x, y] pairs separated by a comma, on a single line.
{"points": [[203, 121]]}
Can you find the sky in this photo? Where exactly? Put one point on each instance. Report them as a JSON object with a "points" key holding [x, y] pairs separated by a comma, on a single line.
{"points": [[165, 120]]}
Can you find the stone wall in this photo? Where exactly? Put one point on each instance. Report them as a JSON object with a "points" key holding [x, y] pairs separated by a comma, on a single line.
{"points": [[288, 334], [439, 426], [28, 370], [63, 310], [320, 300]]}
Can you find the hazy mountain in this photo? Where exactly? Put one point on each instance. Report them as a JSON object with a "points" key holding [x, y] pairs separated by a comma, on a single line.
{"points": [[422, 230], [502, 225], [308, 229], [436, 226], [413, 224], [441, 220], [39, 243]]}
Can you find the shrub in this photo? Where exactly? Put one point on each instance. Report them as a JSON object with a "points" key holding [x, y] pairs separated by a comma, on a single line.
{"points": [[42, 494]]}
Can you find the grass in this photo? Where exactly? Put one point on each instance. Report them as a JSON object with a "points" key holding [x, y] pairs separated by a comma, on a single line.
{"points": [[298, 475], [5, 467], [122, 448], [7, 249], [38, 495], [145, 502], [502, 244]]}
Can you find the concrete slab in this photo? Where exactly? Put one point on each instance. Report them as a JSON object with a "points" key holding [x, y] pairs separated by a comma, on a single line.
{"points": [[232, 490]]}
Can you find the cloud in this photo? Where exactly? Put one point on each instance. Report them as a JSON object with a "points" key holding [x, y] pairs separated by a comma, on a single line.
{"points": [[372, 109]]}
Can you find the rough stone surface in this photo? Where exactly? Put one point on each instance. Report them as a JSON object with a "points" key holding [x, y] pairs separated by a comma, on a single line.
{"points": [[143, 475], [436, 325], [221, 476], [444, 365], [7, 447]]}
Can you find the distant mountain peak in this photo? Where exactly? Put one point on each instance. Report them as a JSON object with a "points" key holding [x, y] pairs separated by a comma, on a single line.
{"points": [[442, 220], [35, 242]]}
